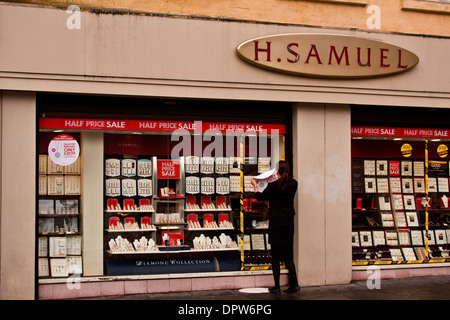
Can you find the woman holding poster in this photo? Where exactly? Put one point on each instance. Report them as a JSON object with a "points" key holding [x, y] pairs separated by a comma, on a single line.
{"points": [[280, 194]]}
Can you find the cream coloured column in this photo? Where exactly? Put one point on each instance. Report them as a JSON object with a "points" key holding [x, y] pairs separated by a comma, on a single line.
{"points": [[18, 197], [322, 161], [92, 202]]}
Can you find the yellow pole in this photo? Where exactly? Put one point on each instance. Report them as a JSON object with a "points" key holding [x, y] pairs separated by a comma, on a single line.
{"points": [[241, 217], [426, 197]]}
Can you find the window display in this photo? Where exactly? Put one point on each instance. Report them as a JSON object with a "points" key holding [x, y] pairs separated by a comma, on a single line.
{"points": [[59, 227], [400, 205], [177, 196]]}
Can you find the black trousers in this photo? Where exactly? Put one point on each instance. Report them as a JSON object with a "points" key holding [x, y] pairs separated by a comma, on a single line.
{"points": [[284, 253]]}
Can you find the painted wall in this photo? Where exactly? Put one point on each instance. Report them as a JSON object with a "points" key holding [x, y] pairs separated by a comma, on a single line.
{"points": [[144, 55], [409, 16]]}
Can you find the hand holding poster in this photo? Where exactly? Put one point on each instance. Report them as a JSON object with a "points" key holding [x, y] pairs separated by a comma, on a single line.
{"points": [[265, 178]]}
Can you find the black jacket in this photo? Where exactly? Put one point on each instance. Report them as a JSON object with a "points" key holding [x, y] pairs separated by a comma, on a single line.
{"points": [[281, 203]]}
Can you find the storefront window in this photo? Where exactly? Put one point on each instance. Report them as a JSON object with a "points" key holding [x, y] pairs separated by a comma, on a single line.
{"points": [[400, 181], [177, 196]]}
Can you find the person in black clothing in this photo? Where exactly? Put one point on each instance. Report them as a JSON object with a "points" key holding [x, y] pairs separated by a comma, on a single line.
{"points": [[280, 194]]}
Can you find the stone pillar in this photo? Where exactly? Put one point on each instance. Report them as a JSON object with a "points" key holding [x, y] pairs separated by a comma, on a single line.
{"points": [[322, 166]]}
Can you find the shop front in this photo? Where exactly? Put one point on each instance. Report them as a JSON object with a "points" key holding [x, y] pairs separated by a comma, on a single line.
{"points": [[136, 152]]}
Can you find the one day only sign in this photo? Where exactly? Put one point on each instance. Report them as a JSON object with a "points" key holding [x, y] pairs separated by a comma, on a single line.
{"points": [[63, 150]]}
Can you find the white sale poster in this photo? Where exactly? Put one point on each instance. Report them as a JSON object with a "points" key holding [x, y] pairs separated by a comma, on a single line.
{"points": [[63, 150], [265, 178]]}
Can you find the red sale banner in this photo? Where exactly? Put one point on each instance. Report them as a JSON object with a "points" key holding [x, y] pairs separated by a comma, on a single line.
{"points": [[168, 169], [157, 125]]}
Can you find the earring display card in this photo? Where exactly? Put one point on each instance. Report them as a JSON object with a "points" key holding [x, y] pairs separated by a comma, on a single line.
{"points": [[112, 187], [43, 164], [365, 238], [73, 245], [430, 236], [409, 202], [382, 168], [248, 187], [404, 238], [74, 168], [407, 185], [383, 185], [74, 265], [42, 185], [432, 185], [145, 187], [416, 238], [370, 184], [420, 253], [207, 165], [419, 168], [391, 238], [129, 187], [406, 168], [419, 185], [355, 239], [387, 220], [222, 165], [396, 185], [112, 167], [411, 219], [263, 164], [440, 236], [144, 168], [396, 255], [57, 246], [128, 167], [58, 267], [379, 238], [43, 246], [384, 202], [53, 168], [442, 184], [397, 199], [408, 253], [369, 167], [192, 164], [222, 185], [44, 270], [234, 164], [401, 219], [55, 185], [235, 183], [193, 185], [72, 185], [207, 185]]}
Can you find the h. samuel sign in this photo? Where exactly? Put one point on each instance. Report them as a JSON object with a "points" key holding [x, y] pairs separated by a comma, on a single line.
{"points": [[325, 55]]}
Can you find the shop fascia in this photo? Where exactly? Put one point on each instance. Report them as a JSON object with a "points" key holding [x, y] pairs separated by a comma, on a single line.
{"points": [[326, 55], [220, 134]]}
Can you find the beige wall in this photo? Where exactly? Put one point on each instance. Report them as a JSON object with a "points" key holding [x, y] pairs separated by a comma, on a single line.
{"points": [[18, 183], [410, 16], [144, 55], [322, 166], [91, 202]]}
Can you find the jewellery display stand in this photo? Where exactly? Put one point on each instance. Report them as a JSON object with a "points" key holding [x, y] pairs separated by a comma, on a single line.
{"points": [[189, 224], [389, 202], [59, 219]]}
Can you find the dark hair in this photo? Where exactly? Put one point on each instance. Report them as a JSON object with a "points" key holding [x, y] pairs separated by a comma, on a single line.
{"points": [[283, 170]]}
